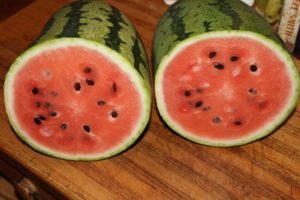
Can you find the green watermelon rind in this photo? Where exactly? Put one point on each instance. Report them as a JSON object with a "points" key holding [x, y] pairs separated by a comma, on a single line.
{"points": [[101, 22], [111, 54], [264, 131]]}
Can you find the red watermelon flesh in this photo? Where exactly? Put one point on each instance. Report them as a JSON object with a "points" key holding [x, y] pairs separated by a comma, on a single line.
{"points": [[75, 101], [225, 88]]}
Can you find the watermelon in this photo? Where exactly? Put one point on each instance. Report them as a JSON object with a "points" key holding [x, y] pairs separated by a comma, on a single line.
{"points": [[81, 91], [222, 75]]}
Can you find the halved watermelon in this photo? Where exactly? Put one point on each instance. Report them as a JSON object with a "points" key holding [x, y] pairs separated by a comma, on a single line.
{"points": [[76, 94], [226, 81]]}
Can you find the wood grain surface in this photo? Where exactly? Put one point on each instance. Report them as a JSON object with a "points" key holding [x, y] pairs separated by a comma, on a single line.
{"points": [[161, 165]]}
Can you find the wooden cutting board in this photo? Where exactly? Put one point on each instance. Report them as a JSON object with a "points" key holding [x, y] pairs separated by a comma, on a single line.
{"points": [[161, 165]]}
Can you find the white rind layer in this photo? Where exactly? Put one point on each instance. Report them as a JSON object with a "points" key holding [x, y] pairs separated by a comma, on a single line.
{"points": [[261, 132], [114, 57]]}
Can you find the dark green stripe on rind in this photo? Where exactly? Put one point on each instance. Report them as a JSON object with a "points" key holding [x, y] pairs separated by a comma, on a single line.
{"points": [[98, 21], [188, 18], [113, 40], [178, 24], [224, 7], [71, 28], [46, 28], [136, 49]]}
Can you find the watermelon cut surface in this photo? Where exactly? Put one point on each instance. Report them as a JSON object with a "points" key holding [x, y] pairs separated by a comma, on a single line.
{"points": [[214, 90], [81, 104], [221, 80], [78, 93]]}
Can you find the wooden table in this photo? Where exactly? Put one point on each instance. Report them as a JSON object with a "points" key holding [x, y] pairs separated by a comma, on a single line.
{"points": [[162, 165]]}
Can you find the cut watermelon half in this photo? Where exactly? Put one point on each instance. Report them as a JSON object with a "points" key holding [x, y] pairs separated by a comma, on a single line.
{"points": [[226, 88], [76, 99]]}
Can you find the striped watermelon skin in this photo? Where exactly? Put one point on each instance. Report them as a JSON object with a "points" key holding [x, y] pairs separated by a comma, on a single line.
{"points": [[188, 18], [99, 27], [181, 72], [100, 22]]}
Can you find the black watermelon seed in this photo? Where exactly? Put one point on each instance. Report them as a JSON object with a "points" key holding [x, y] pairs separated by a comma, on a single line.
{"points": [[198, 104], [86, 128], [41, 117], [63, 126], [238, 123], [53, 93], [53, 113], [219, 66], [37, 104], [114, 114], [114, 87], [77, 86], [253, 68], [101, 103], [87, 70], [187, 93], [216, 120], [89, 82], [212, 54], [37, 121], [252, 91], [206, 108], [35, 91], [234, 58]]}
